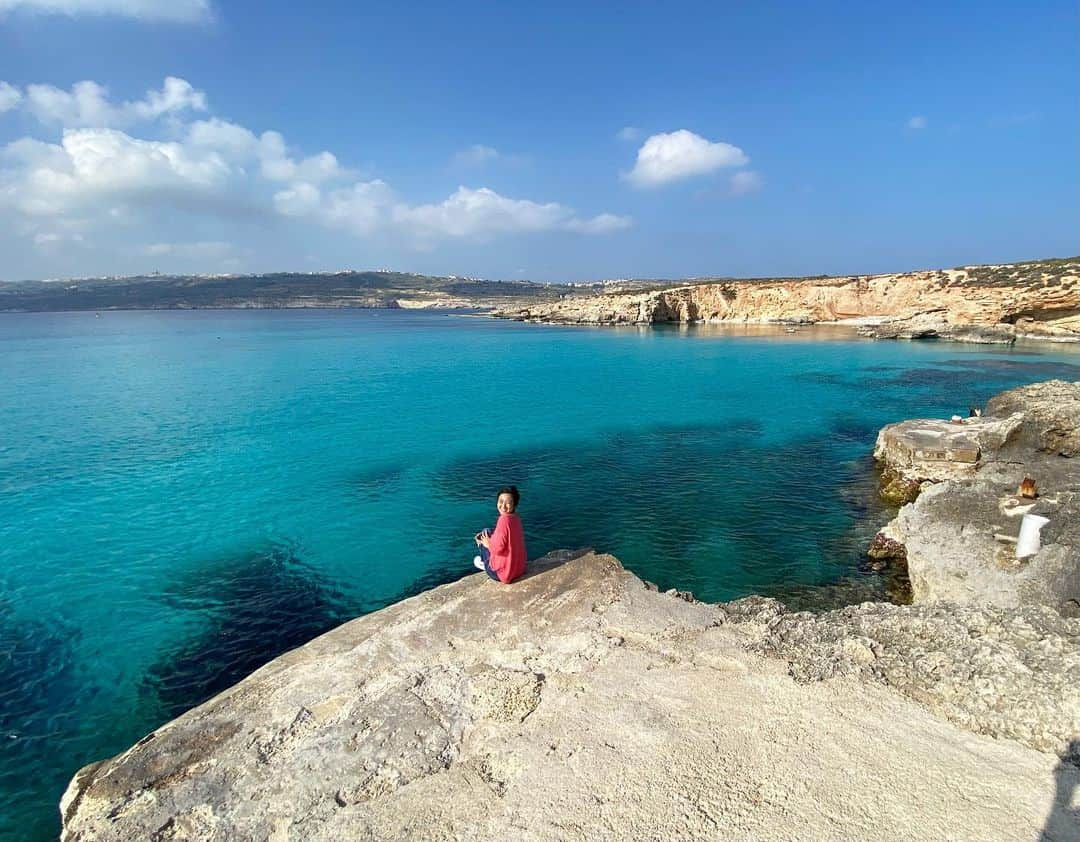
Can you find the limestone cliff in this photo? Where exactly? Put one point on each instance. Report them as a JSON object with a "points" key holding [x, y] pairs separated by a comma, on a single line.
{"points": [[579, 704], [977, 303]]}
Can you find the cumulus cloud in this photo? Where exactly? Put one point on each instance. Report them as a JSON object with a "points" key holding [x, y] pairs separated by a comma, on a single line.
{"points": [[367, 207], [628, 133], [10, 96], [87, 104], [673, 156], [176, 11], [745, 182], [90, 167], [269, 150], [102, 175], [917, 122], [483, 212]]}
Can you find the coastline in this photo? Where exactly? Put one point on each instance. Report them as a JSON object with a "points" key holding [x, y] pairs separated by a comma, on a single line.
{"points": [[972, 304], [994, 303]]}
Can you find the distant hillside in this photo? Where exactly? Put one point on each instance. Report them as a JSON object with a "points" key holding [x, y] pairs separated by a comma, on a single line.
{"points": [[274, 290], [542, 301]]}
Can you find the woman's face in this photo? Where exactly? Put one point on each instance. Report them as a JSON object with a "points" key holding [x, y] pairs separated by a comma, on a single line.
{"points": [[505, 504]]}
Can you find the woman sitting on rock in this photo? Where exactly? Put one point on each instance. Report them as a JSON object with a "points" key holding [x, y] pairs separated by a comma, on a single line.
{"points": [[502, 550]]}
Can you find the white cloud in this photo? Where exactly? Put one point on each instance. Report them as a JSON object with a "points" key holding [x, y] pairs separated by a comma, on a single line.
{"points": [[9, 97], [361, 208], [367, 207], [628, 133], [301, 199], [175, 95], [87, 104], [99, 176], [91, 166], [177, 11], [745, 182], [241, 145], [476, 155], [482, 213], [917, 122], [673, 156], [603, 223]]}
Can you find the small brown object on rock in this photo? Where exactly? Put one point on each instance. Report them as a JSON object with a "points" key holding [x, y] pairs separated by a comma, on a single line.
{"points": [[883, 548], [1027, 489]]}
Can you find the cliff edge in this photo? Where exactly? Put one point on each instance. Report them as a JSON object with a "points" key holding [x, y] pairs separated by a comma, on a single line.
{"points": [[579, 703], [995, 304]]}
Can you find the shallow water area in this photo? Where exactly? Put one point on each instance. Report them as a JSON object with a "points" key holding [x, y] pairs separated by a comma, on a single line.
{"points": [[184, 495]]}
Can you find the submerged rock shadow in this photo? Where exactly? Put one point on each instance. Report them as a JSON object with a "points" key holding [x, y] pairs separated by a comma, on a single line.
{"points": [[371, 483], [254, 607], [38, 710]]}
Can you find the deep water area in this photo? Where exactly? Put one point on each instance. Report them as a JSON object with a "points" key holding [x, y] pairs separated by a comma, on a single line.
{"points": [[185, 495]]}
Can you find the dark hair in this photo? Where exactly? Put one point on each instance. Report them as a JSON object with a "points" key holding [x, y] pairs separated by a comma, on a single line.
{"points": [[512, 491]]}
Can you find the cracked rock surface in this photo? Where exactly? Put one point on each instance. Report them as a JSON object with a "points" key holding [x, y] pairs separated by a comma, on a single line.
{"points": [[1007, 673], [578, 704]]}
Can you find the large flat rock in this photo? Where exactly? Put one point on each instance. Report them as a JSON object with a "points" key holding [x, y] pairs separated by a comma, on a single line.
{"points": [[959, 535], [575, 704], [960, 538], [929, 450]]}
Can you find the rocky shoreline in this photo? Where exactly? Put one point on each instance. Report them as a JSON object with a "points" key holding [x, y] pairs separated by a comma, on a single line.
{"points": [[983, 304], [580, 703]]}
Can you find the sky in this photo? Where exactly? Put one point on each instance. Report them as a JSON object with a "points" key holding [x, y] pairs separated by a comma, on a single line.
{"points": [[543, 141]]}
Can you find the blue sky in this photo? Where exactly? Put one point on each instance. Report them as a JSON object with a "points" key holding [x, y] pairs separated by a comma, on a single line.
{"points": [[542, 141]]}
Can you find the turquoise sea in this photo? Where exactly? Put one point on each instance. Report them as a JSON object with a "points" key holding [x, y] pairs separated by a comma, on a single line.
{"points": [[185, 495]]}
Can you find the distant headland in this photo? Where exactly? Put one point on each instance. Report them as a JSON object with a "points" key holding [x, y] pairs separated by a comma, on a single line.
{"points": [[379, 289], [986, 303], [993, 303]]}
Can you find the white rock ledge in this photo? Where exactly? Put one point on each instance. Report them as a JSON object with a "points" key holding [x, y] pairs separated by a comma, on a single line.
{"points": [[574, 704]]}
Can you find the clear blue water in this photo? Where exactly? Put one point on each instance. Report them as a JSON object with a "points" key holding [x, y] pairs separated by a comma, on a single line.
{"points": [[184, 495]]}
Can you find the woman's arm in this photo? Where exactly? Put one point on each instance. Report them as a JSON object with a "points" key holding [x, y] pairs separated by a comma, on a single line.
{"points": [[499, 542]]}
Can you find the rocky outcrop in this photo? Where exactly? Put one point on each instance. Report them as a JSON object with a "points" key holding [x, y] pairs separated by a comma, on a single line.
{"points": [[915, 453], [960, 536], [993, 671], [960, 539], [579, 704], [974, 303], [937, 324], [1051, 413]]}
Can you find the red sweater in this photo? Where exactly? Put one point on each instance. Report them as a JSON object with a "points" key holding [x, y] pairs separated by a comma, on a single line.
{"points": [[507, 547]]}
